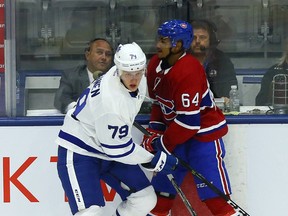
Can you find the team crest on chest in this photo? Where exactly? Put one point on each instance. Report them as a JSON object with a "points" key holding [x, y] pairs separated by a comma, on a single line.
{"points": [[167, 108]]}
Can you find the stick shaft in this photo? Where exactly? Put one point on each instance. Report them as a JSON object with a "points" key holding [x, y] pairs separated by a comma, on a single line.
{"points": [[181, 195]]}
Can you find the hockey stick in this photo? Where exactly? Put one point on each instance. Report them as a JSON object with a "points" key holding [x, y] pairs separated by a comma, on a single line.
{"points": [[199, 176], [182, 195], [171, 178]]}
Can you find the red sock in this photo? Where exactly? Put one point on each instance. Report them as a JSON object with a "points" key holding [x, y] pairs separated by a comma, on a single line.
{"points": [[163, 206], [219, 207]]}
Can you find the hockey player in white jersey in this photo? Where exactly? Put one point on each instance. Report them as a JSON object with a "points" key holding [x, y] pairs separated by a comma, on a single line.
{"points": [[95, 142]]}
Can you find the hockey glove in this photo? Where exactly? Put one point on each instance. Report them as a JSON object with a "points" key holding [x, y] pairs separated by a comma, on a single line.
{"points": [[147, 139], [147, 143], [162, 163], [158, 145]]}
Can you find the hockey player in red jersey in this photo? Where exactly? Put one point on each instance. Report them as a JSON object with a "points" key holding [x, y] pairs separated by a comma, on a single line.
{"points": [[185, 120]]}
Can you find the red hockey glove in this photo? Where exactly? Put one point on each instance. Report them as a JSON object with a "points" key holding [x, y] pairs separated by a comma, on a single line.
{"points": [[147, 143], [155, 143], [152, 132]]}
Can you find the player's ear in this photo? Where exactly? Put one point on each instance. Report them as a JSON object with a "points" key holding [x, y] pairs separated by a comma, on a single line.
{"points": [[178, 47]]}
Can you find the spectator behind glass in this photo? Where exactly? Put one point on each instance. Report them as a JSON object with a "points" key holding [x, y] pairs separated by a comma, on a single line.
{"points": [[218, 66], [264, 97], [98, 57]]}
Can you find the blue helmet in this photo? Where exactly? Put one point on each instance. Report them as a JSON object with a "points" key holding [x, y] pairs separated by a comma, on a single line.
{"points": [[177, 30]]}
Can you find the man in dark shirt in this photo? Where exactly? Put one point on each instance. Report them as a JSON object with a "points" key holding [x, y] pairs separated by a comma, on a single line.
{"points": [[264, 97], [218, 66]]}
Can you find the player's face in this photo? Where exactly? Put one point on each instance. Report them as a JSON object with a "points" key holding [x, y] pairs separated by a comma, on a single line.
{"points": [[163, 47], [200, 40], [99, 57], [132, 80]]}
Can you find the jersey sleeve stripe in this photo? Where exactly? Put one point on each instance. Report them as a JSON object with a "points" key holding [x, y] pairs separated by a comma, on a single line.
{"points": [[76, 141], [207, 101], [194, 112], [189, 120], [187, 126], [206, 93], [159, 126], [113, 146], [213, 127], [124, 154], [118, 151]]}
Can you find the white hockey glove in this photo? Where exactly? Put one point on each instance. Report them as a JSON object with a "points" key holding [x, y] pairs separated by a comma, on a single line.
{"points": [[162, 163]]}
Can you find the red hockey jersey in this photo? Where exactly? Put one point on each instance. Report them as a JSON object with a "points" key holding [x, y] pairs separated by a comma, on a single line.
{"points": [[183, 102]]}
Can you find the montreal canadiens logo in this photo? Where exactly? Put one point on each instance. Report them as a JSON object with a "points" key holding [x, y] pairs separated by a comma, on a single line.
{"points": [[167, 108], [183, 25]]}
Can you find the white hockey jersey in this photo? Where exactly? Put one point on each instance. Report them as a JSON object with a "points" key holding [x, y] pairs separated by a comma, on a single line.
{"points": [[100, 124]]}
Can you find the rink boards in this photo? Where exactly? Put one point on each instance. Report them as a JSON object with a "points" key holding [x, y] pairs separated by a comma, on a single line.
{"points": [[256, 161]]}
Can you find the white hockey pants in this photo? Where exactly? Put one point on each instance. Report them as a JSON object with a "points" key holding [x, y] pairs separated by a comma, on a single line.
{"points": [[139, 203]]}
